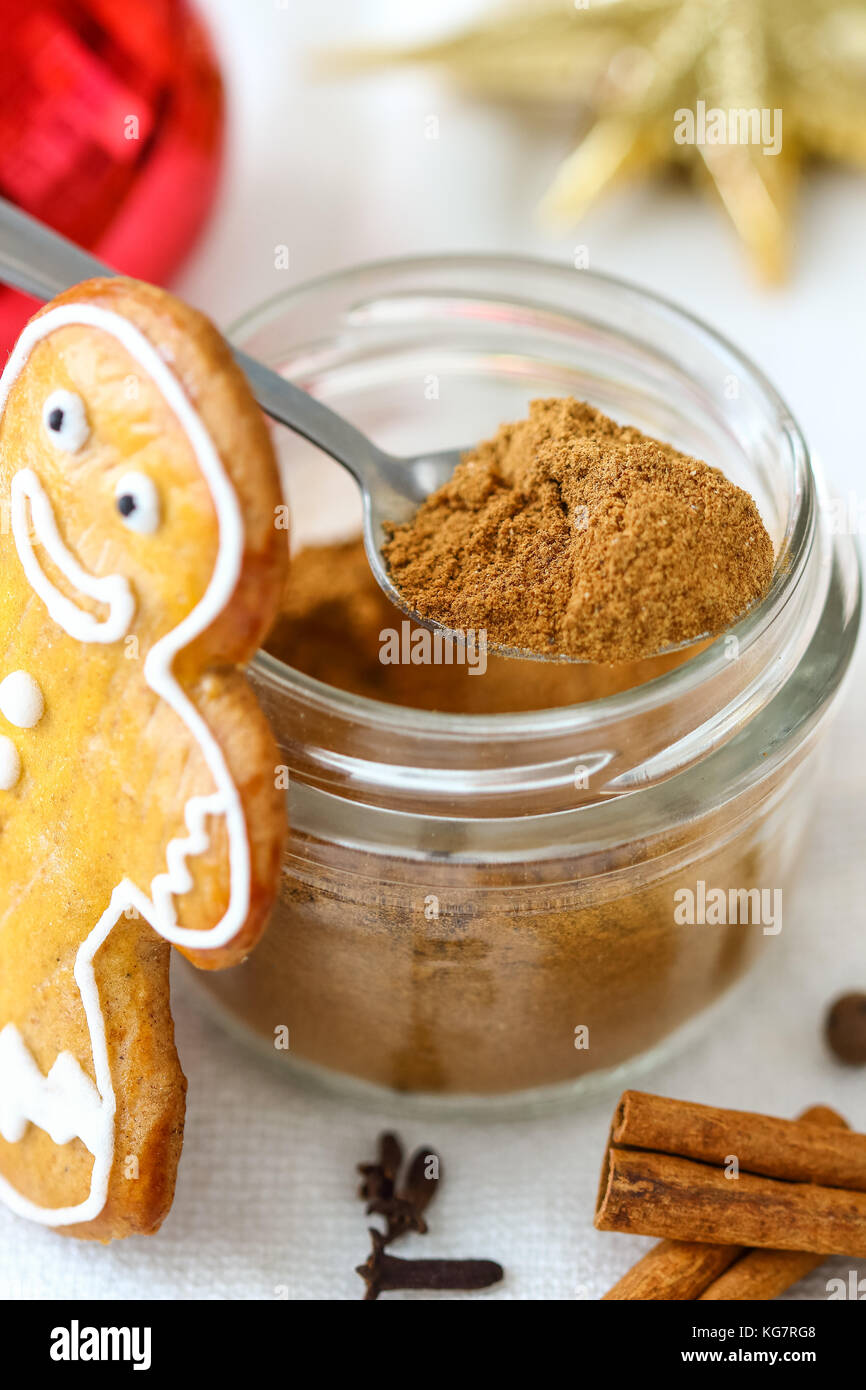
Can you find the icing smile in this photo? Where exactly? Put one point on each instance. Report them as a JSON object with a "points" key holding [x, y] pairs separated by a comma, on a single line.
{"points": [[112, 590]]}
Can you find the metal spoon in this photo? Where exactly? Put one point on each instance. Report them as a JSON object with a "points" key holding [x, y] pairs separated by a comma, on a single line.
{"points": [[40, 262]]}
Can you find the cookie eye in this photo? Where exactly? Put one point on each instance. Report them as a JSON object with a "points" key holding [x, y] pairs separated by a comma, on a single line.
{"points": [[137, 502], [65, 419]]}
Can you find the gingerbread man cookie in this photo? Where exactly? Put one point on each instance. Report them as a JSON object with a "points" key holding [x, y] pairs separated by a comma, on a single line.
{"points": [[140, 567]]}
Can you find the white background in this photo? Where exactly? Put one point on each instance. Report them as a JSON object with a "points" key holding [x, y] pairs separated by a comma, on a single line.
{"points": [[340, 173]]}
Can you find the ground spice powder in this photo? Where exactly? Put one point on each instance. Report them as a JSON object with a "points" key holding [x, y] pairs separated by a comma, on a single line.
{"points": [[569, 534], [334, 620]]}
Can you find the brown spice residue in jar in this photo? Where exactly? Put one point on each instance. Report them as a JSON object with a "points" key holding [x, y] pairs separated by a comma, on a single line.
{"points": [[331, 626], [568, 533], [485, 999]]}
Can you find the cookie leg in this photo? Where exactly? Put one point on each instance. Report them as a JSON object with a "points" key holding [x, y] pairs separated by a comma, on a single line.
{"points": [[90, 1140], [132, 973]]}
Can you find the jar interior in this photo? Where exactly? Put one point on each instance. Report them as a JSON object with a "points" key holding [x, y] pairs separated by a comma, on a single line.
{"points": [[428, 354], [421, 372], [424, 371]]}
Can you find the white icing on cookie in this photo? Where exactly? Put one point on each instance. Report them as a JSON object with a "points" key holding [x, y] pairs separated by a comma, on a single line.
{"points": [[10, 764], [26, 1095], [137, 502], [65, 1103], [21, 700], [159, 909], [65, 421], [112, 590], [178, 879]]}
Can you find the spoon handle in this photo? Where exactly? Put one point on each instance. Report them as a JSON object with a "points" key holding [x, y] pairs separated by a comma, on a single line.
{"points": [[42, 263], [37, 260]]}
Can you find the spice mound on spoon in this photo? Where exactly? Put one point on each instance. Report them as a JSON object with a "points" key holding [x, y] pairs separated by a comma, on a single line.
{"points": [[569, 536]]}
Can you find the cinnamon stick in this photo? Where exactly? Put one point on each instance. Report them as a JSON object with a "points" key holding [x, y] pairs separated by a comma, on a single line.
{"points": [[797, 1150], [662, 1194], [674, 1270], [761, 1274], [764, 1274], [687, 1270]]}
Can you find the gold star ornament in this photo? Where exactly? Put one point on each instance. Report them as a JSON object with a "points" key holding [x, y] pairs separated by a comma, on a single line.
{"points": [[739, 92]]}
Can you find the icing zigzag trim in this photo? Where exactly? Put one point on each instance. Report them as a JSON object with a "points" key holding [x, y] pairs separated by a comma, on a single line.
{"points": [[178, 879]]}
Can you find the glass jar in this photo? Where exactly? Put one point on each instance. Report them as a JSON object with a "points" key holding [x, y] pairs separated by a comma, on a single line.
{"points": [[525, 905]]}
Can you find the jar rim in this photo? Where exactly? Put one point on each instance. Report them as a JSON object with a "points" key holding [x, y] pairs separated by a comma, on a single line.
{"points": [[790, 561]]}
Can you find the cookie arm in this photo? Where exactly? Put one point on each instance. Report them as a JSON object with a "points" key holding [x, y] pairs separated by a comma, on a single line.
{"points": [[232, 714]]}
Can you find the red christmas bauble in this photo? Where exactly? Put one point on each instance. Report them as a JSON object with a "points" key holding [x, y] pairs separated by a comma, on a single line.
{"points": [[111, 123]]}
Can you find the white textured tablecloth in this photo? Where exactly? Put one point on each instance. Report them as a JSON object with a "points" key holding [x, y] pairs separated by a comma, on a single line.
{"points": [[266, 1203]]}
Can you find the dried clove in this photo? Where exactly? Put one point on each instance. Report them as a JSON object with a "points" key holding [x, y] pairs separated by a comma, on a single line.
{"points": [[403, 1211], [380, 1177], [421, 1184], [403, 1208], [383, 1272]]}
